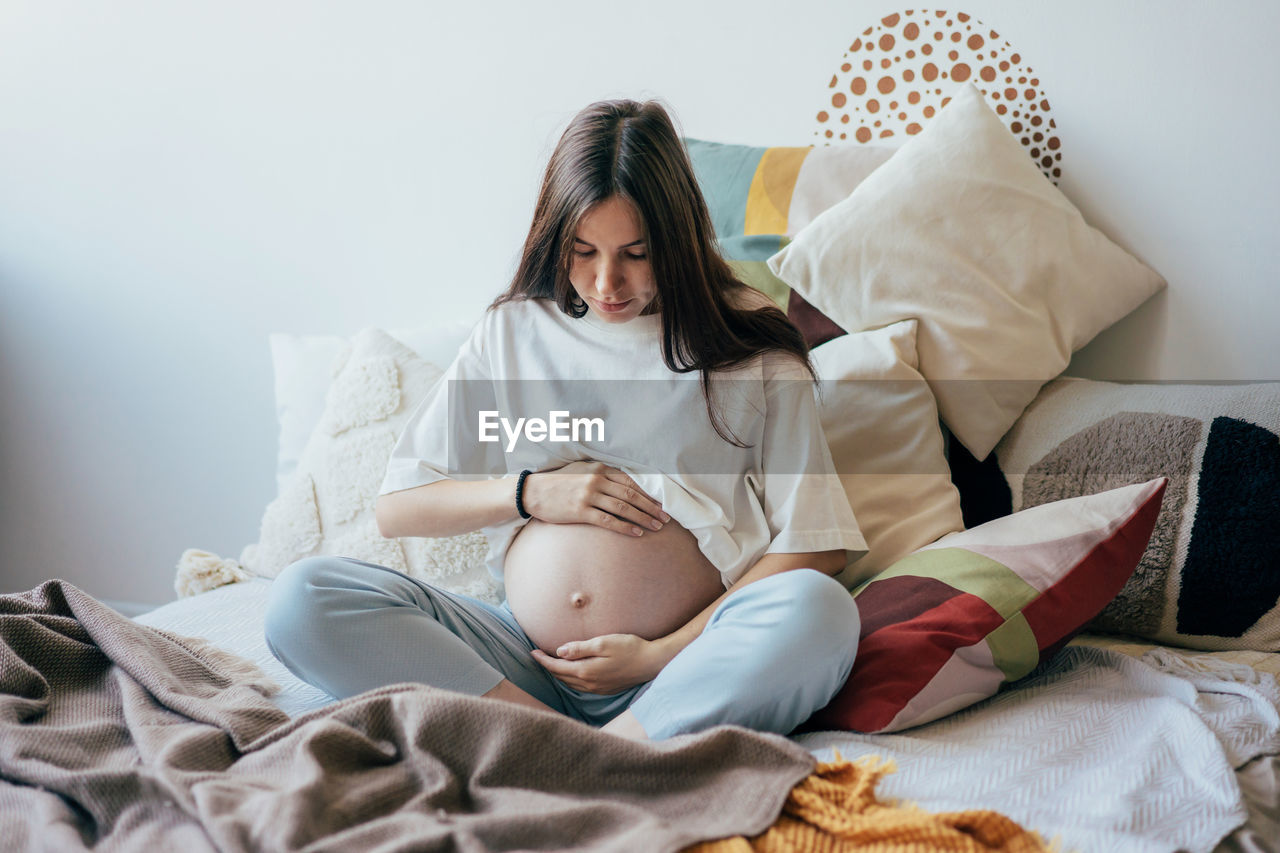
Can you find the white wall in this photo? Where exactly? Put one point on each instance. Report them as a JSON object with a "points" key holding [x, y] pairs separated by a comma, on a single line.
{"points": [[179, 180]]}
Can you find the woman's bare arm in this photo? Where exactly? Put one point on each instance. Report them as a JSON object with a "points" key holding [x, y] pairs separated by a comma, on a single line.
{"points": [[446, 508], [829, 562], [582, 492]]}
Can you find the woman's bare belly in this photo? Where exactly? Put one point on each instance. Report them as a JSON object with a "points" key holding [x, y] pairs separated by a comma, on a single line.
{"points": [[569, 582]]}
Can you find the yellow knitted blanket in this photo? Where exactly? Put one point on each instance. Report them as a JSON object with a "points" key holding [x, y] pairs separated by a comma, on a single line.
{"points": [[835, 808]]}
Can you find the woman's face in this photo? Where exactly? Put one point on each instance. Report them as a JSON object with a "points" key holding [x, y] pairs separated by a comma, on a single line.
{"points": [[610, 267]]}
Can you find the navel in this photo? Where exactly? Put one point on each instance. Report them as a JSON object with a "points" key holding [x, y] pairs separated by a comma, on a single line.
{"points": [[579, 599]]}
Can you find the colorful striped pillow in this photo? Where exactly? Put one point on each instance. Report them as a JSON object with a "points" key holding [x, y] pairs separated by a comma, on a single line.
{"points": [[1209, 578], [760, 197], [946, 626]]}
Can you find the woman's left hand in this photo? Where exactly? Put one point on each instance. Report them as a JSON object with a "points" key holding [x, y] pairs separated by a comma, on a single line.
{"points": [[606, 664]]}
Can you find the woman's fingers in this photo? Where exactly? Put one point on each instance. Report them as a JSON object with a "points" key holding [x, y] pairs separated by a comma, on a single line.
{"points": [[600, 665], [625, 500], [617, 475], [618, 507], [634, 495], [566, 671], [593, 493], [556, 666], [603, 518]]}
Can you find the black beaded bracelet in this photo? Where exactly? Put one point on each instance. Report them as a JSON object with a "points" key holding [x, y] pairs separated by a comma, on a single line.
{"points": [[520, 494]]}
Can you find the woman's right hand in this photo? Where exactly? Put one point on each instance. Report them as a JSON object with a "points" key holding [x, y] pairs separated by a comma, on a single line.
{"points": [[588, 492]]}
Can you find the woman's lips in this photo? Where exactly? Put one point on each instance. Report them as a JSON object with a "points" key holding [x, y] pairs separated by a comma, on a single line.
{"points": [[611, 307]]}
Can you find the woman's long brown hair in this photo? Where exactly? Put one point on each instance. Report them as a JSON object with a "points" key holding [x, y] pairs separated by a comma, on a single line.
{"points": [[631, 149]]}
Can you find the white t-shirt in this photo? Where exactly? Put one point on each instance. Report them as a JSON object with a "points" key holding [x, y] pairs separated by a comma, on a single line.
{"points": [[528, 359]]}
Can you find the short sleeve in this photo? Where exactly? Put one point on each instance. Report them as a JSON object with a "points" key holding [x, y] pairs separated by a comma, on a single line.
{"points": [[804, 502], [430, 447]]}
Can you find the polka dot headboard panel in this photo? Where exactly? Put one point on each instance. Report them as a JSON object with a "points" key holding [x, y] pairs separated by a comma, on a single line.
{"points": [[890, 82]]}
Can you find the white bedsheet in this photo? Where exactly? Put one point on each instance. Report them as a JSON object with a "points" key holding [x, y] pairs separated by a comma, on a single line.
{"points": [[1103, 751], [1100, 750]]}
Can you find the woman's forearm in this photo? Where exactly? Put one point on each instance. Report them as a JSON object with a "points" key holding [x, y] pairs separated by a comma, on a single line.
{"points": [[446, 508], [829, 562]]}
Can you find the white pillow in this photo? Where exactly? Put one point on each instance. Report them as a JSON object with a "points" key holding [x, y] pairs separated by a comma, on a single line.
{"points": [[303, 369], [960, 230], [327, 503], [304, 366], [881, 424]]}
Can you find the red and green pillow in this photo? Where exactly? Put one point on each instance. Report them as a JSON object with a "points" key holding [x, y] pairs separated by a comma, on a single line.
{"points": [[947, 625]]}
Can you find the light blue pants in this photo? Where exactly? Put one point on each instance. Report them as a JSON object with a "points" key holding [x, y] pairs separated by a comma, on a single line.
{"points": [[772, 653]]}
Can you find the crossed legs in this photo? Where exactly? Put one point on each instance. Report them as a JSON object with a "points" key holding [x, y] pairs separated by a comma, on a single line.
{"points": [[773, 652]]}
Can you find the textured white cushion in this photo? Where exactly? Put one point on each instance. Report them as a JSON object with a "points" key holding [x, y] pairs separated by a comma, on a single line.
{"points": [[327, 504], [303, 369], [304, 366], [881, 424], [960, 230]]}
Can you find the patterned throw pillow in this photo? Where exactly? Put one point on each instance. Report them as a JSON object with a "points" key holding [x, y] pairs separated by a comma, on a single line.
{"points": [[760, 197], [1209, 579], [327, 504], [946, 626]]}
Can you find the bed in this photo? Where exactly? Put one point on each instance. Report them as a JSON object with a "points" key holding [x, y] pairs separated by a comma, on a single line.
{"points": [[1070, 608], [1114, 745]]}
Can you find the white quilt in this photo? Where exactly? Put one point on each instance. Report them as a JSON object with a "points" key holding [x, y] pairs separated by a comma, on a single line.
{"points": [[1099, 750]]}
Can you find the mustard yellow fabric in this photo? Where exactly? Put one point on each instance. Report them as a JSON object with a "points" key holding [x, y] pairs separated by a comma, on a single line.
{"points": [[835, 809]]}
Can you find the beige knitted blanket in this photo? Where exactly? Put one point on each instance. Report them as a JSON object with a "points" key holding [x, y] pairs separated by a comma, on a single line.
{"points": [[120, 735]]}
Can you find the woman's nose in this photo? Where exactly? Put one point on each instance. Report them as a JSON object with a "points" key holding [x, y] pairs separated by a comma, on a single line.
{"points": [[608, 276]]}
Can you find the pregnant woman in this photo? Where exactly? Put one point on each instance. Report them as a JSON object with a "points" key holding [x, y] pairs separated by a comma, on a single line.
{"points": [[665, 519]]}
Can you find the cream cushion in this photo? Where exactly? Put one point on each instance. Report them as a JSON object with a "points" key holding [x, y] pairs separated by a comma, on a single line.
{"points": [[327, 504], [303, 367], [960, 230], [881, 424]]}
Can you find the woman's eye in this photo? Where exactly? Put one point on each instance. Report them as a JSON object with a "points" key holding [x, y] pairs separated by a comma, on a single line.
{"points": [[586, 254]]}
